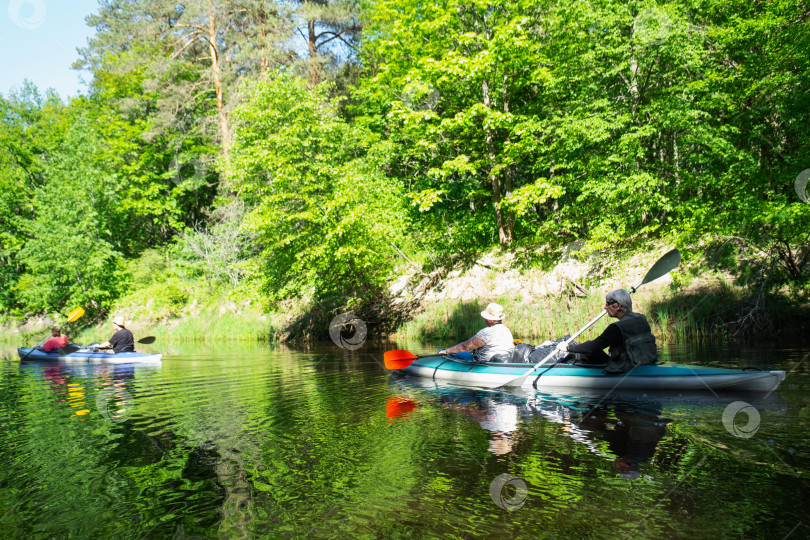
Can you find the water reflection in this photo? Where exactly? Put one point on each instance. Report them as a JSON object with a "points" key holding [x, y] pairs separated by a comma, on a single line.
{"points": [[276, 444], [498, 416], [632, 433], [105, 387], [624, 427]]}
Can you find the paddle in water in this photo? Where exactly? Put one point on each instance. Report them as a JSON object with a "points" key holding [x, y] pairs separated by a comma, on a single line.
{"points": [[73, 316], [662, 267]]}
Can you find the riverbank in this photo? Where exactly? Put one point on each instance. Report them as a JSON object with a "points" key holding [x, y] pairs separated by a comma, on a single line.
{"points": [[218, 321], [692, 303], [542, 300]]}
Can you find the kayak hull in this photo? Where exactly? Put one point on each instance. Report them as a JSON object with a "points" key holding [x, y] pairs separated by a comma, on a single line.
{"points": [[89, 357], [647, 377]]}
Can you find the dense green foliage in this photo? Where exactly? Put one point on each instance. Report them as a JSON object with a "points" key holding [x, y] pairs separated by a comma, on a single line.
{"points": [[315, 150], [323, 210]]}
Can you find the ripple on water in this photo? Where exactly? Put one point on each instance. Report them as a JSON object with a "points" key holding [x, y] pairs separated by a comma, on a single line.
{"points": [[275, 444]]}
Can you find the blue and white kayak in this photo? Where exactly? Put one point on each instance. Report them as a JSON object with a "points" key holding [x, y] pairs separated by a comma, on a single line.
{"points": [[665, 376], [89, 356]]}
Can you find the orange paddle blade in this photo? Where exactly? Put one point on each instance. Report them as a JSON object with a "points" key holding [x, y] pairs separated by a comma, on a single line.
{"points": [[399, 407], [398, 359]]}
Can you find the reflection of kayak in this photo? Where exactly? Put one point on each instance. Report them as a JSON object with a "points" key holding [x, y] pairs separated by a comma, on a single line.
{"points": [[90, 356], [631, 422], [583, 398], [646, 377]]}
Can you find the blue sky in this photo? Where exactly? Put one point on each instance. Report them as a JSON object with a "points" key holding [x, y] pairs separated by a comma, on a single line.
{"points": [[38, 40]]}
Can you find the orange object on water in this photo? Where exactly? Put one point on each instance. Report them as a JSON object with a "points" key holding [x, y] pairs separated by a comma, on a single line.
{"points": [[399, 407]]}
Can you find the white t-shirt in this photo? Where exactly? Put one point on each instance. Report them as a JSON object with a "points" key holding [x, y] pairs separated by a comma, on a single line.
{"points": [[498, 340]]}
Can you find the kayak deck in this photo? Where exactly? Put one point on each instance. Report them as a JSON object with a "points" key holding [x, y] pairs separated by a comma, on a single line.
{"points": [[646, 377], [89, 356]]}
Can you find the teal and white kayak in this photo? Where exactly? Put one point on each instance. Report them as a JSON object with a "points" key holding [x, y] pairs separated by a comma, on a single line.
{"points": [[647, 377], [89, 356]]}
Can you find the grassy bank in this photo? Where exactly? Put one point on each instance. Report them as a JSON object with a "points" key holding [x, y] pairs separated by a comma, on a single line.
{"points": [[206, 326], [242, 326], [713, 312], [690, 308]]}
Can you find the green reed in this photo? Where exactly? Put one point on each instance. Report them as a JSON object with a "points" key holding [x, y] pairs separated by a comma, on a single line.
{"points": [[205, 326], [673, 315], [542, 319]]}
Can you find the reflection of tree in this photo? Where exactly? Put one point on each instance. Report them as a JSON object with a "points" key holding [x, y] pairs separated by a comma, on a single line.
{"points": [[297, 445], [57, 475]]}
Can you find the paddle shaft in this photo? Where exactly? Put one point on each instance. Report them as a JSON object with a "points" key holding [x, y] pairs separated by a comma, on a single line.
{"points": [[69, 349], [663, 266], [37, 346]]}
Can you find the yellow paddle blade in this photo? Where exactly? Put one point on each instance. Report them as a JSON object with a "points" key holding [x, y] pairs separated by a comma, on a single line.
{"points": [[75, 314], [398, 359]]}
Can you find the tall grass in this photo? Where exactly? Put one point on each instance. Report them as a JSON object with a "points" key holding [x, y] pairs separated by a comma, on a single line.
{"points": [[709, 314], [536, 321], [209, 326], [673, 316], [205, 326]]}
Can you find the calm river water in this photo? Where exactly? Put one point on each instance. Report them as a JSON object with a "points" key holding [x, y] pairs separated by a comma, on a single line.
{"points": [[261, 441]]}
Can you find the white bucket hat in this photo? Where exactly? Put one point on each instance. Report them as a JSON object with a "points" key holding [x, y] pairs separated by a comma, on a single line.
{"points": [[118, 321], [494, 312]]}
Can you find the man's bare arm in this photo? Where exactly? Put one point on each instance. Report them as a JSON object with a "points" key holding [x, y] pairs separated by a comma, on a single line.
{"points": [[469, 345]]}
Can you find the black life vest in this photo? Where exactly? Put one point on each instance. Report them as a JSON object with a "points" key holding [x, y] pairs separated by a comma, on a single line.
{"points": [[638, 344]]}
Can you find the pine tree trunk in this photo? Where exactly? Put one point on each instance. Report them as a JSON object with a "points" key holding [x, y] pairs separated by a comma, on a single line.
{"points": [[313, 53], [216, 71]]}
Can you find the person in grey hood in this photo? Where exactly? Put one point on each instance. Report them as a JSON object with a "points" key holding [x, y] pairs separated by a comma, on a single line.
{"points": [[629, 340]]}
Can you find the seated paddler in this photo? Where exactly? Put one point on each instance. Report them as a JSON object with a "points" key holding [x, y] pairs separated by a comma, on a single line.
{"points": [[629, 340], [56, 340], [495, 340]]}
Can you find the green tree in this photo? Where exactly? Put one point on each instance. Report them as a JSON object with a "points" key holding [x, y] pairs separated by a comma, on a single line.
{"points": [[330, 30], [20, 174], [590, 120], [322, 209], [457, 85], [70, 254], [189, 58]]}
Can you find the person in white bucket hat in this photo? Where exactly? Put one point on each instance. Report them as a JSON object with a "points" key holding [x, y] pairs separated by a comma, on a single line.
{"points": [[494, 340], [122, 340]]}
